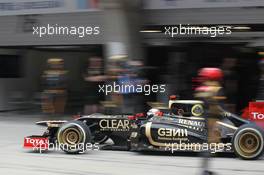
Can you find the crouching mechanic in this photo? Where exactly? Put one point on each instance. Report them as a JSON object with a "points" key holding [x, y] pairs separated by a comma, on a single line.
{"points": [[211, 93]]}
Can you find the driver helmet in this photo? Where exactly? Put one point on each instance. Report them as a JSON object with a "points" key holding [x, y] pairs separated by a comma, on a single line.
{"points": [[152, 112]]}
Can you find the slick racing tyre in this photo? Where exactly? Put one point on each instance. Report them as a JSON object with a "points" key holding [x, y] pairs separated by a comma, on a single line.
{"points": [[248, 142], [73, 137]]}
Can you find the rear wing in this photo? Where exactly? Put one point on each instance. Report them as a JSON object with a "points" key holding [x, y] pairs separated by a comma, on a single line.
{"points": [[255, 113]]}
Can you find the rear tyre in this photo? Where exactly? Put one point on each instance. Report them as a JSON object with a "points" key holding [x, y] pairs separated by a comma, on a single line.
{"points": [[73, 137], [248, 142]]}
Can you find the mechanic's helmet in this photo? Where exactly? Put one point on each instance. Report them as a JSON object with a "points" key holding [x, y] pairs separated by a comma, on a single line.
{"points": [[212, 74]]}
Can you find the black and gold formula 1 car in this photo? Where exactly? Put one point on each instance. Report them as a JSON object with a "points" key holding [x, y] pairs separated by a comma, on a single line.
{"points": [[181, 128]]}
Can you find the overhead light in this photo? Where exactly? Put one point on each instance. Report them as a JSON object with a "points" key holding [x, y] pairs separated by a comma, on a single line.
{"points": [[150, 31], [242, 28]]}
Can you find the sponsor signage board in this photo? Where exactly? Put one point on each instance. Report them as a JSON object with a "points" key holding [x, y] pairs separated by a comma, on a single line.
{"points": [[27, 7], [181, 4]]}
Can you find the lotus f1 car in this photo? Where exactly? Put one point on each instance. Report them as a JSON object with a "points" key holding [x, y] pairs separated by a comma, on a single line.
{"points": [[182, 128]]}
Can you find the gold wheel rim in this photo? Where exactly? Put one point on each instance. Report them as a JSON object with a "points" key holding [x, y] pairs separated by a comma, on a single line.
{"points": [[249, 143], [71, 136]]}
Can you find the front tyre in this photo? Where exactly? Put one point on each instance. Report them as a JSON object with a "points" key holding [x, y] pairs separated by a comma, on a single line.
{"points": [[73, 137], [248, 142]]}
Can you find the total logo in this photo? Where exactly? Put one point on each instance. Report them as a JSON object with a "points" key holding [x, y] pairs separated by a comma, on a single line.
{"points": [[31, 142], [114, 125], [257, 116]]}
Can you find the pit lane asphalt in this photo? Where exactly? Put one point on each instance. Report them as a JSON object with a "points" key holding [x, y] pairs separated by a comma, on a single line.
{"points": [[15, 160]]}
